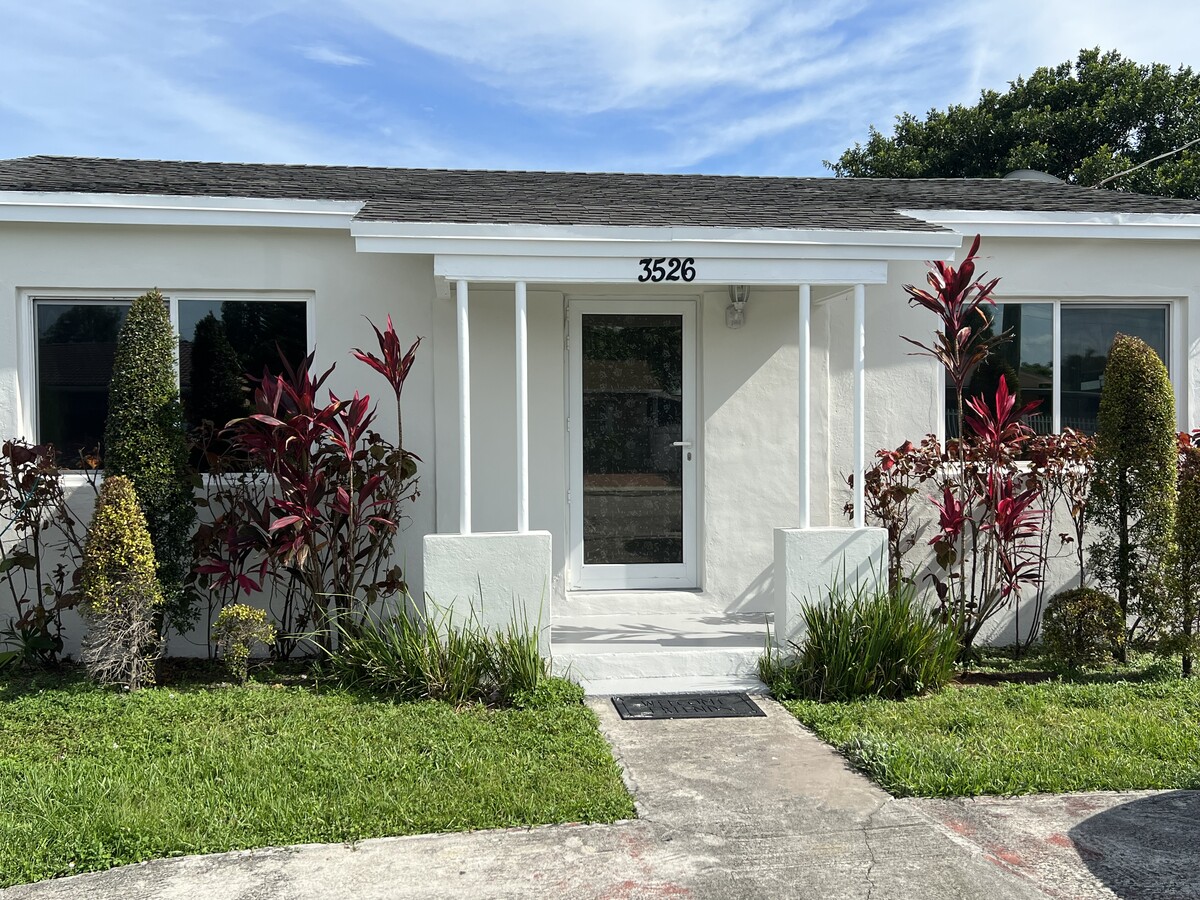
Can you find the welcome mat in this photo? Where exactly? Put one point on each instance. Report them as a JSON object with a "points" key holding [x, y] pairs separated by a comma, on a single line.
{"points": [[687, 706]]}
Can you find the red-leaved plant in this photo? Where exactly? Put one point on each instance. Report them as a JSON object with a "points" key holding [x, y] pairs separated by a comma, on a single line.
{"points": [[337, 497]]}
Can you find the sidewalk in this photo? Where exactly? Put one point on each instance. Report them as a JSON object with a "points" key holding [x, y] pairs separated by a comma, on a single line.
{"points": [[728, 808]]}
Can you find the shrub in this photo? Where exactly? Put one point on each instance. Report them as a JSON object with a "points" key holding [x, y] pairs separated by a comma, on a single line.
{"points": [[1083, 627], [121, 595], [1177, 622], [40, 548], [144, 440], [865, 641], [1133, 489], [420, 656], [237, 629]]}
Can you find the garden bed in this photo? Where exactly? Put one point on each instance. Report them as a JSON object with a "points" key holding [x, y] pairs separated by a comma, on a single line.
{"points": [[1117, 730], [92, 778]]}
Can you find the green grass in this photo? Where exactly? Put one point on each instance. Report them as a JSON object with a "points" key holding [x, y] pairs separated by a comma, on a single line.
{"points": [[1124, 730], [92, 778]]}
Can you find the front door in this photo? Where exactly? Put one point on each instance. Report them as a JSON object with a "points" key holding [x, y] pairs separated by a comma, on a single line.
{"points": [[634, 452]]}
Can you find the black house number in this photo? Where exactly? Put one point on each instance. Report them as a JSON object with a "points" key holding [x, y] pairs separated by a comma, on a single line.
{"points": [[662, 268]]}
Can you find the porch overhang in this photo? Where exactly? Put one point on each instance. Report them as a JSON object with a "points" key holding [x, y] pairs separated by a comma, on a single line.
{"points": [[589, 254]]}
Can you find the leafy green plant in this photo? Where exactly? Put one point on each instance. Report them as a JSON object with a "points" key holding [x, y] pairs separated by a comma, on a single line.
{"points": [[430, 655], [1083, 627], [237, 629], [145, 441], [865, 640], [121, 594], [1132, 501], [1177, 623]]}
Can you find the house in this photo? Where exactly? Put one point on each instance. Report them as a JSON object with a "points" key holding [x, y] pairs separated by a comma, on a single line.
{"points": [[640, 395]]}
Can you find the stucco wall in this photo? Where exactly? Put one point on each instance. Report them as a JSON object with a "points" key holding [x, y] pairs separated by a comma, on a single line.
{"points": [[344, 286], [747, 378]]}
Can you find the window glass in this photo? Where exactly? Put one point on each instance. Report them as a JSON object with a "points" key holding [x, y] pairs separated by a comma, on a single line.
{"points": [[1025, 362], [223, 341], [1088, 333], [76, 345]]}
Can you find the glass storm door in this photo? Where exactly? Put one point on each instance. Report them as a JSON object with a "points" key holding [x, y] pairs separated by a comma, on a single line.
{"points": [[633, 444]]}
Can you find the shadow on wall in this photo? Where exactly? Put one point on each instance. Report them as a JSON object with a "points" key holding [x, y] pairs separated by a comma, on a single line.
{"points": [[1146, 849], [759, 595]]}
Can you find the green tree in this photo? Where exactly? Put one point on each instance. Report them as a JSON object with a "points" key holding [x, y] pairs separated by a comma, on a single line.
{"points": [[144, 440], [121, 595], [1179, 625], [1133, 491], [1080, 121]]}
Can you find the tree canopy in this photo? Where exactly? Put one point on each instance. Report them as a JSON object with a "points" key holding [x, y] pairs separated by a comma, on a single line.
{"points": [[1081, 121]]}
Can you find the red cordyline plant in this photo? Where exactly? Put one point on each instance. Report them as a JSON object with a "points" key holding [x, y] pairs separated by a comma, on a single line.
{"points": [[392, 364], [339, 489]]}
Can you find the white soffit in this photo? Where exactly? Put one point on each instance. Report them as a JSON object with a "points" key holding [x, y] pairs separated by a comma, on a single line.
{"points": [[161, 209], [1110, 225]]}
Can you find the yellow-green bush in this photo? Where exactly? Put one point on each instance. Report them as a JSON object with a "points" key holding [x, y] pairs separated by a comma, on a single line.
{"points": [[120, 591], [237, 629]]}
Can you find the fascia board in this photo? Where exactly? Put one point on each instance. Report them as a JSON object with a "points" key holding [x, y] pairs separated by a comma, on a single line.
{"points": [[161, 209], [1006, 223]]}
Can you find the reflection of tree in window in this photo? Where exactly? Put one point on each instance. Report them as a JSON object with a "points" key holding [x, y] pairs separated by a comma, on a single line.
{"points": [[84, 323], [260, 331], [218, 369]]}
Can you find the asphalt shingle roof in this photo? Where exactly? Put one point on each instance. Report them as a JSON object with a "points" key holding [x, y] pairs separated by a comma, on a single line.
{"points": [[575, 198]]}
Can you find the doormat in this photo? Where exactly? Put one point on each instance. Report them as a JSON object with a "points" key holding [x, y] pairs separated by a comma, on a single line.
{"points": [[687, 706]]}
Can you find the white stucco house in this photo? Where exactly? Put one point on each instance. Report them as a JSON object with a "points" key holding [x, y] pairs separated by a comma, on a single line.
{"points": [[639, 395]]}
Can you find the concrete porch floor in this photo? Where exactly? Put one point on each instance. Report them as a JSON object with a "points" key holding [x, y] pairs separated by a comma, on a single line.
{"points": [[656, 642]]}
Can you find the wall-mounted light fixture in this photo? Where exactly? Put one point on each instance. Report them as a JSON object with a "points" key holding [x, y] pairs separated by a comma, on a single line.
{"points": [[735, 312]]}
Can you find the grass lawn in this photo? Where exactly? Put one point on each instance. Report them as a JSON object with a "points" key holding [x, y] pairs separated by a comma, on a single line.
{"points": [[94, 778], [1121, 730]]}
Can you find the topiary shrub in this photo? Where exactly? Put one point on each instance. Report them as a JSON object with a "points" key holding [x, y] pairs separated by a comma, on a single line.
{"points": [[237, 629], [145, 440], [1083, 627], [1133, 490], [121, 597]]}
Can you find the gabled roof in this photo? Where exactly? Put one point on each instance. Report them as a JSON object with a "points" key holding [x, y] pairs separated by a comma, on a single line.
{"points": [[577, 198]]}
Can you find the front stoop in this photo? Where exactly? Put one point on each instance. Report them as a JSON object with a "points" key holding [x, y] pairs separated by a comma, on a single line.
{"points": [[677, 642]]}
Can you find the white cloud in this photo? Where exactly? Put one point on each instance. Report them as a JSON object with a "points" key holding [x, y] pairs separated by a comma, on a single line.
{"points": [[331, 56]]}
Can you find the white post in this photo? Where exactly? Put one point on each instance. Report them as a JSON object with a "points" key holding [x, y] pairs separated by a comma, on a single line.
{"points": [[860, 404], [1055, 370], [522, 409], [464, 413], [805, 354]]}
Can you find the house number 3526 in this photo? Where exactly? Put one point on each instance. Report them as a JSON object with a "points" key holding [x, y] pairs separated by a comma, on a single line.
{"points": [[662, 268]]}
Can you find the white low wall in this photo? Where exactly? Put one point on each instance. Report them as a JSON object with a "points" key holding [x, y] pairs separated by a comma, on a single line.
{"points": [[499, 578], [809, 560]]}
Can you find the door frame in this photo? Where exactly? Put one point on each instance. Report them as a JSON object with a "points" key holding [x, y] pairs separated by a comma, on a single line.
{"points": [[663, 576]]}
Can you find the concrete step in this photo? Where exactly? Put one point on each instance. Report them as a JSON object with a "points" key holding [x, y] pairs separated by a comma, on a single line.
{"points": [[659, 653], [640, 603]]}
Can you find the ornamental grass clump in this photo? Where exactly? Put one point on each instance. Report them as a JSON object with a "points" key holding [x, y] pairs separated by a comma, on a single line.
{"points": [[237, 629], [1083, 627], [121, 596], [145, 440], [866, 640]]}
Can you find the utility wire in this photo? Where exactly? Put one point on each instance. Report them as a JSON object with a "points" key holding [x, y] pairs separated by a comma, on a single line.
{"points": [[1105, 181]]}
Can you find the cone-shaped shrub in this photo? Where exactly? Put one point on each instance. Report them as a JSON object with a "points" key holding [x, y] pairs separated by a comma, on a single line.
{"points": [[1133, 492], [220, 391], [144, 440], [120, 592]]}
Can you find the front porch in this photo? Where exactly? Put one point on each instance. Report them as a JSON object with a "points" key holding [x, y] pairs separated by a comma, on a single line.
{"points": [[657, 567]]}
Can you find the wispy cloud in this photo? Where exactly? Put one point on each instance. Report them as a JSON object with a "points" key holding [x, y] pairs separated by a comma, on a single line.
{"points": [[331, 56], [712, 85]]}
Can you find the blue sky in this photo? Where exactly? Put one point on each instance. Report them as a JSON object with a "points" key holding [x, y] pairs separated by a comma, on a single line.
{"points": [[721, 86]]}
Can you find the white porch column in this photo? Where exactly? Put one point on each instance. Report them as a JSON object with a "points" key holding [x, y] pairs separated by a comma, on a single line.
{"points": [[522, 409], [464, 411], [805, 422], [860, 404]]}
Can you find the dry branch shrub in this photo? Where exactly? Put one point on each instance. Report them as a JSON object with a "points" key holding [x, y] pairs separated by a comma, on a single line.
{"points": [[121, 595]]}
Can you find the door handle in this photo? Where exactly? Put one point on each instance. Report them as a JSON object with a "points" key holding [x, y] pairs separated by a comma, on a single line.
{"points": [[681, 443]]}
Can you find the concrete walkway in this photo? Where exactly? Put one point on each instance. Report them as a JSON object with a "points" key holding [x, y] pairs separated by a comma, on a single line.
{"points": [[728, 808]]}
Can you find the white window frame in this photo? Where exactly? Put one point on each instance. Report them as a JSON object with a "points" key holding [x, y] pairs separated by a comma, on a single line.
{"points": [[28, 298], [1175, 306]]}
